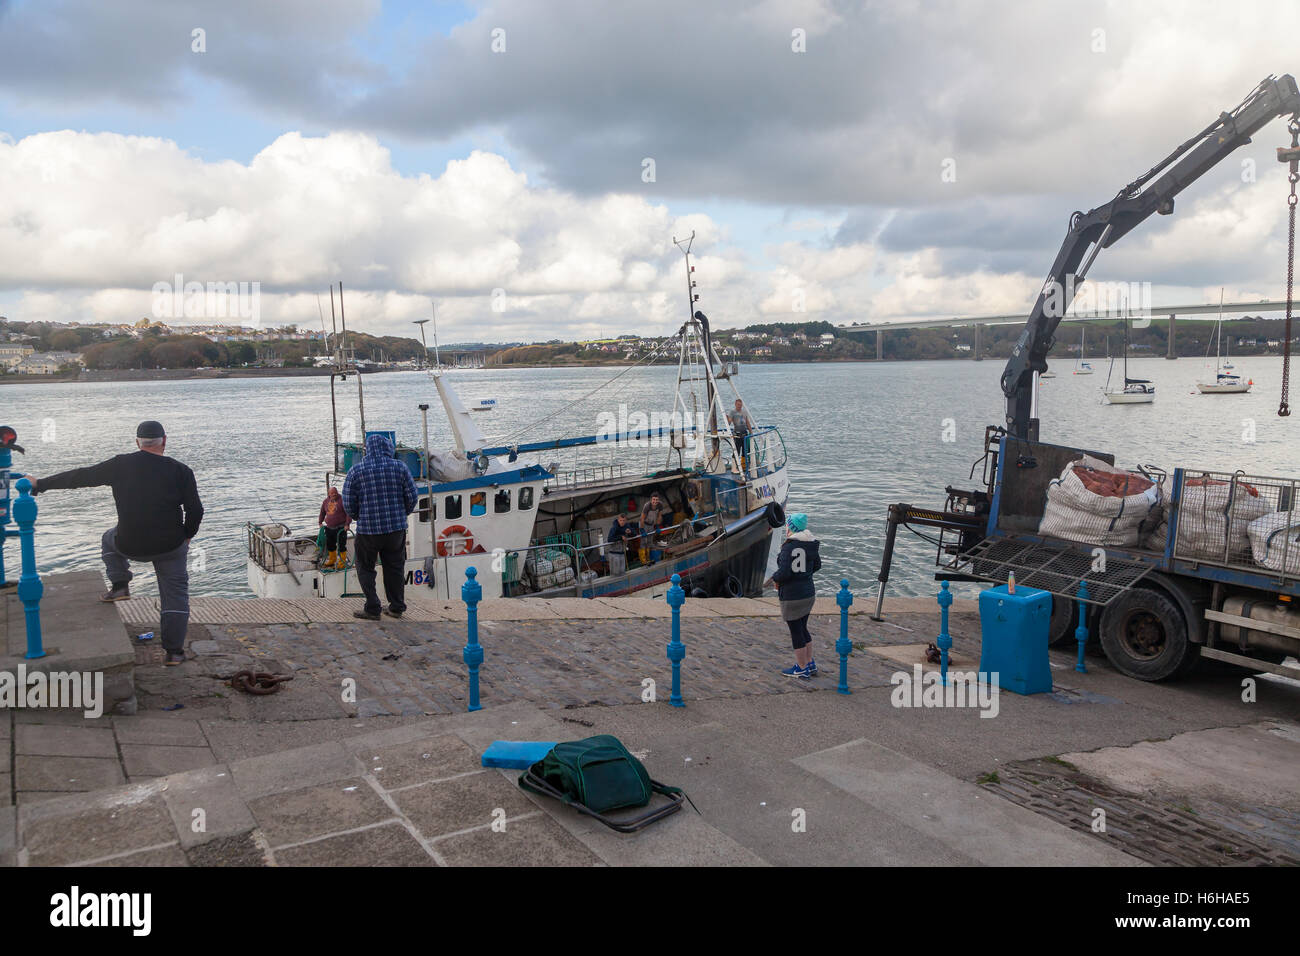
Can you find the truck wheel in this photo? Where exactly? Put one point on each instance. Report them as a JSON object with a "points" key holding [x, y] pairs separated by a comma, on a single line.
{"points": [[1145, 636], [1065, 618]]}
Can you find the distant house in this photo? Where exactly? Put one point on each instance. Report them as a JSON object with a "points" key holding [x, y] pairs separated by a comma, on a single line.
{"points": [[11, 355], [762, 350], [780, 340], [828, 338], [799, 337], [45, 363]]}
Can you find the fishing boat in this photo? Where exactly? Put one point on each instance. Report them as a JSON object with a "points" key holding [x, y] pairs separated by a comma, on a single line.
{"points": [[1225, 382], [1135, 391], [1081, 366], [532, 527]]}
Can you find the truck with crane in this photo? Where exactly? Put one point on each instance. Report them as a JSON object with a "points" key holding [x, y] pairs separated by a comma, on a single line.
{"points": [[1171, 566]]}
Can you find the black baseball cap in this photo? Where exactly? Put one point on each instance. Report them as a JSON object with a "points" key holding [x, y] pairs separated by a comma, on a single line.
{"points": [[150, 430]]}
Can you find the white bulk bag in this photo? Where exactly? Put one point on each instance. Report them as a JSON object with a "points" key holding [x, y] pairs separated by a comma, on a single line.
{"points": [[1095, 503], [1269, 539], [1214, 513]]}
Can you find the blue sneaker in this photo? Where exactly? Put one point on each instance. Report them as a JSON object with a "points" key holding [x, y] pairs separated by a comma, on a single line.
{"points": [[812, 667], [796, 671]]}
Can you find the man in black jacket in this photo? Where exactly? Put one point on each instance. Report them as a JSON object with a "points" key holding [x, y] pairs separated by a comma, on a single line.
{"points": [[158, 512]]}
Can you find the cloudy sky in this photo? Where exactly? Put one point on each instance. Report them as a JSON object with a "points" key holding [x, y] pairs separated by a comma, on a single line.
{"points": [[527, 164]]}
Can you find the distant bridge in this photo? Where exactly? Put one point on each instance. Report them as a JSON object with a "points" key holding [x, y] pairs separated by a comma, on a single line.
{"points": [[1244, 308]]}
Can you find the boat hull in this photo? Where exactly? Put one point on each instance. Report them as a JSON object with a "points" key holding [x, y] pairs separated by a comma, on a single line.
{"points": [[1122, 398], [1222, 389]]}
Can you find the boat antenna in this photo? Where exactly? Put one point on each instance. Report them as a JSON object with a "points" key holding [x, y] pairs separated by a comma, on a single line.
{"points": [[436, 357], [361, 397]]}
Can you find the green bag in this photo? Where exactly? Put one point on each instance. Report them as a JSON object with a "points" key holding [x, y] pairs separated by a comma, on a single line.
{"points": [[320, 538], [597, 775]]}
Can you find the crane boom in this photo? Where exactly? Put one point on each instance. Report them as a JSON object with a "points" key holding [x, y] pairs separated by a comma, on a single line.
{"points": [[1102, 227]]}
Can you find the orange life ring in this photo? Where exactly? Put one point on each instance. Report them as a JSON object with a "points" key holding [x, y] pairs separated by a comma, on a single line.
{"points": [[467, 546]]}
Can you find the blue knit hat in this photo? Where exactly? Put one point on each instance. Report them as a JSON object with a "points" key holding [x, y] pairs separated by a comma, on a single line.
{"points": [[797, 522]]}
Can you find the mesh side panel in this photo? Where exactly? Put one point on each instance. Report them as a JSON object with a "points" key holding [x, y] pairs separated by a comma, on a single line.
{"points": [[1052, 566]]}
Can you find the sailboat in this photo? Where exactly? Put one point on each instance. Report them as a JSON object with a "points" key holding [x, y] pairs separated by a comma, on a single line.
{"points": [[1136, 391], [1225, 383], [1081, 367]]}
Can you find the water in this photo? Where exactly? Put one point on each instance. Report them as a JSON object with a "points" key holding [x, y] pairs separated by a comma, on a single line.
{"points": [[859, 437]]}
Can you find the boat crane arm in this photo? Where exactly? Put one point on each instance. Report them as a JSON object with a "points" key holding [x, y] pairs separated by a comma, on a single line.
{"points": [[1100, 228]]}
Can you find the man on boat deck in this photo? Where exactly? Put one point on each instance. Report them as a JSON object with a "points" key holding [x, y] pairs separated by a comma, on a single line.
{"points": [[158, 512], [378, 494], [619, 533], [741, 426]]}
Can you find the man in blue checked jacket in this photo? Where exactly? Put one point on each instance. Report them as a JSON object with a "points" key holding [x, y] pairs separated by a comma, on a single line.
{"points": [[378, 494]]}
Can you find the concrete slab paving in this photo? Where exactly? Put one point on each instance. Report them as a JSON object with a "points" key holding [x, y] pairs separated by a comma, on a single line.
{"points": [[212, 791], [387, 845], [58, 740], [297, 816], [170, 855], [66, 774], [155, 760], [94, 826], [953, 812], [162, 729], [8, 836], [419, 761], [278, 773], [1255, 763], [462, 803], [535, 840]]}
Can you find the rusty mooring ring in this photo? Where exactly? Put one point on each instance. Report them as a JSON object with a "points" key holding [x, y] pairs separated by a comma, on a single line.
{"points": [[260, 683]]}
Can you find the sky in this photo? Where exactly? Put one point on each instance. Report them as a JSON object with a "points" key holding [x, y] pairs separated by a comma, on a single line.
{"points": [[526, 166]]}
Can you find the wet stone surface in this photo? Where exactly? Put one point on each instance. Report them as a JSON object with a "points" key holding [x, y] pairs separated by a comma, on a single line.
{"points": [[410, 668]]}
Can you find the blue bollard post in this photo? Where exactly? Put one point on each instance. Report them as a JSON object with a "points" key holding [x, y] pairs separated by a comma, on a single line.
{"points": [[944, 642], [844, 646], [30, 587], [6, 462], [471, 592], [676, 649], [1081, 632]]}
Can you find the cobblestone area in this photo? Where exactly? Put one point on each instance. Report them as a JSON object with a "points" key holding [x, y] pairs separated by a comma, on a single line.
{"points": [[409, 668], [1158, 832]]}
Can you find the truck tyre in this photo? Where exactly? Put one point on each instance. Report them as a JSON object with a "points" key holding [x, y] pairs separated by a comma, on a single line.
{"points": [[1065, 618], [1144, 635]]}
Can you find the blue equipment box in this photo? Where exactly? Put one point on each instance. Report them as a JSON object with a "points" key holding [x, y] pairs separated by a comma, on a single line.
{"points": [[1014, 635]]}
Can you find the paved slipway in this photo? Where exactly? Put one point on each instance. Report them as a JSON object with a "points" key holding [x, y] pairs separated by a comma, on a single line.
{"points": [[782, 771]]}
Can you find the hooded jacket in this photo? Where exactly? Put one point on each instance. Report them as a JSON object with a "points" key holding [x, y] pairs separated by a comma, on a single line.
{"points": [[379, 492], [799, 559]]}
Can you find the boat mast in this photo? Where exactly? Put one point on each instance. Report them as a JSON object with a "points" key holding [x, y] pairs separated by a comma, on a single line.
{"points": [[1218, 337], [698, 324]]}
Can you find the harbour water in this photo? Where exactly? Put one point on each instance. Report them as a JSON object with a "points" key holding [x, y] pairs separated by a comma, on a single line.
{"points": [[859, 436]]}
